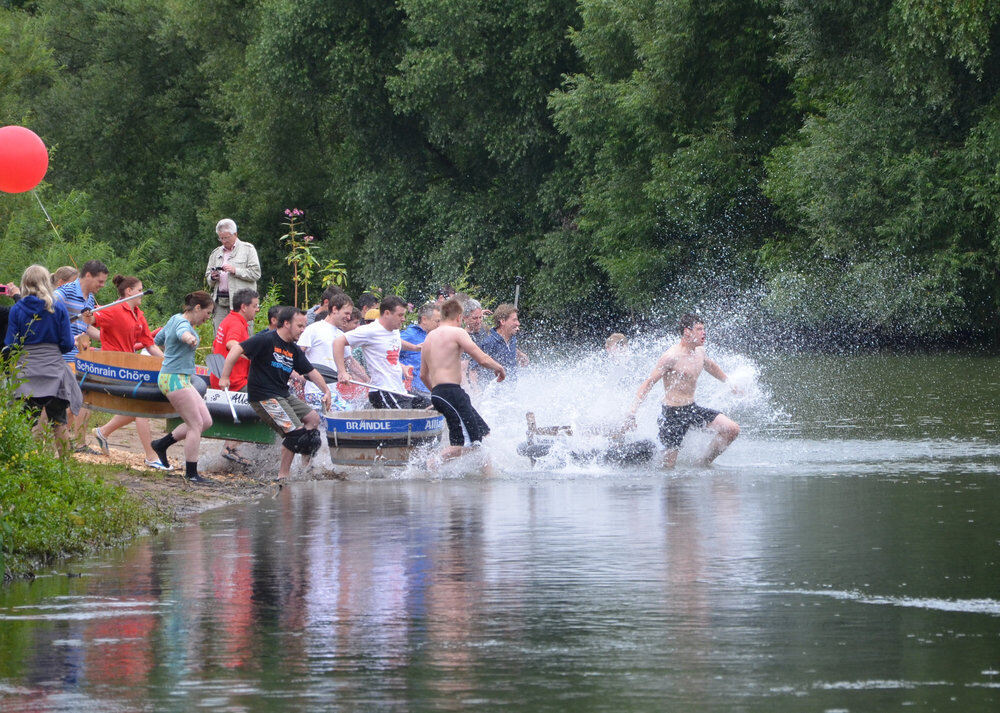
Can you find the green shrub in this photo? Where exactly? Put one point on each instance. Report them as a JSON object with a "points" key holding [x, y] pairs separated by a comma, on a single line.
{"points": [[49, 506]]}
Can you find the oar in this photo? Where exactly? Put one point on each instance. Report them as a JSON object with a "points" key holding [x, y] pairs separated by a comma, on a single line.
{"points": [[215, 362], [330, 375], [110, 304]]}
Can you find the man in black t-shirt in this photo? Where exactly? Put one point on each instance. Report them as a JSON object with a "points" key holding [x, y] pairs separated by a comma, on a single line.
{"points": [[273, 355]]}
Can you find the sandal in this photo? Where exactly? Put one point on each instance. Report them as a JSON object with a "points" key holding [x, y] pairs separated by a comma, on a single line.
{"points": [[231, 454]]}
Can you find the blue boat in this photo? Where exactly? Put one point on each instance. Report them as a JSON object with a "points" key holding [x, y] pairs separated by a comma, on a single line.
{"points": [[380, 436]]}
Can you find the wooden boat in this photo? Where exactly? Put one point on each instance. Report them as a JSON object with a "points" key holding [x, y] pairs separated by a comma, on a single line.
{"points": [[119, 382], [250, 429], [380, 436]]}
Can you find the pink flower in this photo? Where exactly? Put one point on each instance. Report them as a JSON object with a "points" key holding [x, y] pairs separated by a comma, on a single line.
{"points": [[308, 238]]}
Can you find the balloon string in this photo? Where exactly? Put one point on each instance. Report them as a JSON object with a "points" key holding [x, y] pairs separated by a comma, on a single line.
{"points": [[51, 224]]}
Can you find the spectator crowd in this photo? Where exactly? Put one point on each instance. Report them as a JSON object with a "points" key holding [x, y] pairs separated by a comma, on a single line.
{"points": [[363, 348]]}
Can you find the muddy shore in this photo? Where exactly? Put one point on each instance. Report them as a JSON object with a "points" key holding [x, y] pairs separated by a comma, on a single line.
{"points": [[173, 497]]}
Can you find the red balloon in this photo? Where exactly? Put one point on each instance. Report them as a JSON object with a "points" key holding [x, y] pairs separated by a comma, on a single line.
{"points": [[23, 159]]}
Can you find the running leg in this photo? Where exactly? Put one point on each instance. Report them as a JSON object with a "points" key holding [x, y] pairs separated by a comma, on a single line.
{"points": [[726, 431]]}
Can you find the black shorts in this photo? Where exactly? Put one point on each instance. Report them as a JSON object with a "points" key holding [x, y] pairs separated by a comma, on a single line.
{"points": [[675, 421], [464, 422], [387, 399], [55, 408]]}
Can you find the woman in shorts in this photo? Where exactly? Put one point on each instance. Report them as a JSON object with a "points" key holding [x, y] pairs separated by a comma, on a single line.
{"points": [[39, 326], [179, 340]]}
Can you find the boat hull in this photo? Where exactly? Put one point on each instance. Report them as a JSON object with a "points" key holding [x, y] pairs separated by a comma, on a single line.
{"points": [[250, 429], [380, 436], [122, 383]]}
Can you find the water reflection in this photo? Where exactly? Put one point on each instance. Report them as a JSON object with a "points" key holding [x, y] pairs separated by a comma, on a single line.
{"points": [[694, 589]]}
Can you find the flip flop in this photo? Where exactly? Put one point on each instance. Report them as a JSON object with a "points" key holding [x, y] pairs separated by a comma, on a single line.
{"points": [[231, 454]]}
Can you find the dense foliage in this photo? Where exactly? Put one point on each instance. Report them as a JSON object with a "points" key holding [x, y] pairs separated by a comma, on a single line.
{"points": [[835, 159]]}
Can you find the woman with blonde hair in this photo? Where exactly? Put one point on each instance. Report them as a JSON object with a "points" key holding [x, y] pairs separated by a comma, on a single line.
{"points": [[63, 275], [179, 341], [124, 329], [40, 327]]}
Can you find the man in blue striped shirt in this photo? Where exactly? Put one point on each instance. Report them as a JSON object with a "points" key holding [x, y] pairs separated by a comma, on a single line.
{"points": [[79, 296]]}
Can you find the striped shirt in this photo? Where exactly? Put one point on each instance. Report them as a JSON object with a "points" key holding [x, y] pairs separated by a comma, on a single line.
{"points": [[71, 295]]}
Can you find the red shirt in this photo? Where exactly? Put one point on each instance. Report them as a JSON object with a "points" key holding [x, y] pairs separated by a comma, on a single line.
{"points": [[122, 329], [233, 327]]}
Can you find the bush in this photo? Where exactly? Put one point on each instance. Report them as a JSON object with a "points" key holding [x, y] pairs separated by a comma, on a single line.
{"points": [[51, 507]]}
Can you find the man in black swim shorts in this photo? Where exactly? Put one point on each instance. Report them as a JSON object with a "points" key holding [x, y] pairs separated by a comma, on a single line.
{"points": [[465, 425], [441, 369], [679, 367]]}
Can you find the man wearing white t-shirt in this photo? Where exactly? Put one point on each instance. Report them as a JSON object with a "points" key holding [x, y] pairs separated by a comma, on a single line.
{"points": [[317, 342], [380, 343]]}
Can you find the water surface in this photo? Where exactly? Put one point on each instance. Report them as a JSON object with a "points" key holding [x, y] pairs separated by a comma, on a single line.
{"points": [[844, 555]]}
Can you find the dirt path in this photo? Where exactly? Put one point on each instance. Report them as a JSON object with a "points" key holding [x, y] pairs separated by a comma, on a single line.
{"points": [[176, 498]]}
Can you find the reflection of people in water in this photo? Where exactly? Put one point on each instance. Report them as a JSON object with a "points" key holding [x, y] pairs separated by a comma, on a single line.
{"points": [[679, 368]]}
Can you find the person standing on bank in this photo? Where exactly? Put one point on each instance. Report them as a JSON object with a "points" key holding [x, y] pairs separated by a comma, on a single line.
{"points": [[123, 328], [233, 266], [179, 341], [273, 356], [679, 368], [40, 325], [78, 298]]}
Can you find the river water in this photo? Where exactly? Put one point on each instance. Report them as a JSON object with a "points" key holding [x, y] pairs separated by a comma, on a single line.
{"points": [[843, 555]]}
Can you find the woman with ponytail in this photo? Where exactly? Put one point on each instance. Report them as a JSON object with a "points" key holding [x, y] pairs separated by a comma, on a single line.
{"points": [[40, 327], [179, 341], [124, 329]]}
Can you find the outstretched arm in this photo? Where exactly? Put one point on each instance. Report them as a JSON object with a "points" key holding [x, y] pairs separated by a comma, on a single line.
{"points": [[481, 357], [338, 358], [715, 370], [662, 367], [317, 378]]}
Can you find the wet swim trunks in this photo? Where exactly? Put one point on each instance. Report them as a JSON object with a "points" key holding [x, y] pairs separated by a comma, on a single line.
{"points": [[675, 421], [465, 425]]}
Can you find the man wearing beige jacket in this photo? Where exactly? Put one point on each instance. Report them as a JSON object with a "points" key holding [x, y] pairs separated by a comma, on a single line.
{"points": [[233, 266]]}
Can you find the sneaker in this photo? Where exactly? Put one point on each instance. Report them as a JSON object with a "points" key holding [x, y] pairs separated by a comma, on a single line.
{"points": [[84, 448], [157, 465], [197, 479], [101, 441]]}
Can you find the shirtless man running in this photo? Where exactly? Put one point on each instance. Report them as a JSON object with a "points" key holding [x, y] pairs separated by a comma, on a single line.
{"points": [[441, 370], [679, 367]]}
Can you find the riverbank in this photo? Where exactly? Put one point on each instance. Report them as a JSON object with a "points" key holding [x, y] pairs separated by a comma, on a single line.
{"points": [[60, 509]]}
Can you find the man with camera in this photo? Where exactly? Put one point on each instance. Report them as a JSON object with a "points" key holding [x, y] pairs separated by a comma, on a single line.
{"points": [[233, 266]]}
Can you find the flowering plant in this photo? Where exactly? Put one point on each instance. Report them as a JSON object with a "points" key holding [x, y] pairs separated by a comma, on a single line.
{"points": [[300, 255]]}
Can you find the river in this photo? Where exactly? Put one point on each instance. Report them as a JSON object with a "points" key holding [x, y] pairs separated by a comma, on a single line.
{"points": [[843, 555]]}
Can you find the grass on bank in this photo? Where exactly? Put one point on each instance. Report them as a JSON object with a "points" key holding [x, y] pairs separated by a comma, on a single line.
{"points": [[51, 507]]}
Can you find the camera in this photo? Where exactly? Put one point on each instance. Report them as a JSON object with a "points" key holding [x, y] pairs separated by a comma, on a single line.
{"points": [[3, 290]]}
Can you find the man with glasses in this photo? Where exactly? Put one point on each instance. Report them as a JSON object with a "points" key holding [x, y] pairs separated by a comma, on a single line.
{"points": [[233, 266]]}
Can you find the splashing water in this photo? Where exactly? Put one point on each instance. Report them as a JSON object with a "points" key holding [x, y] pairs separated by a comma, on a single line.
{"points": [[591, 393]]}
